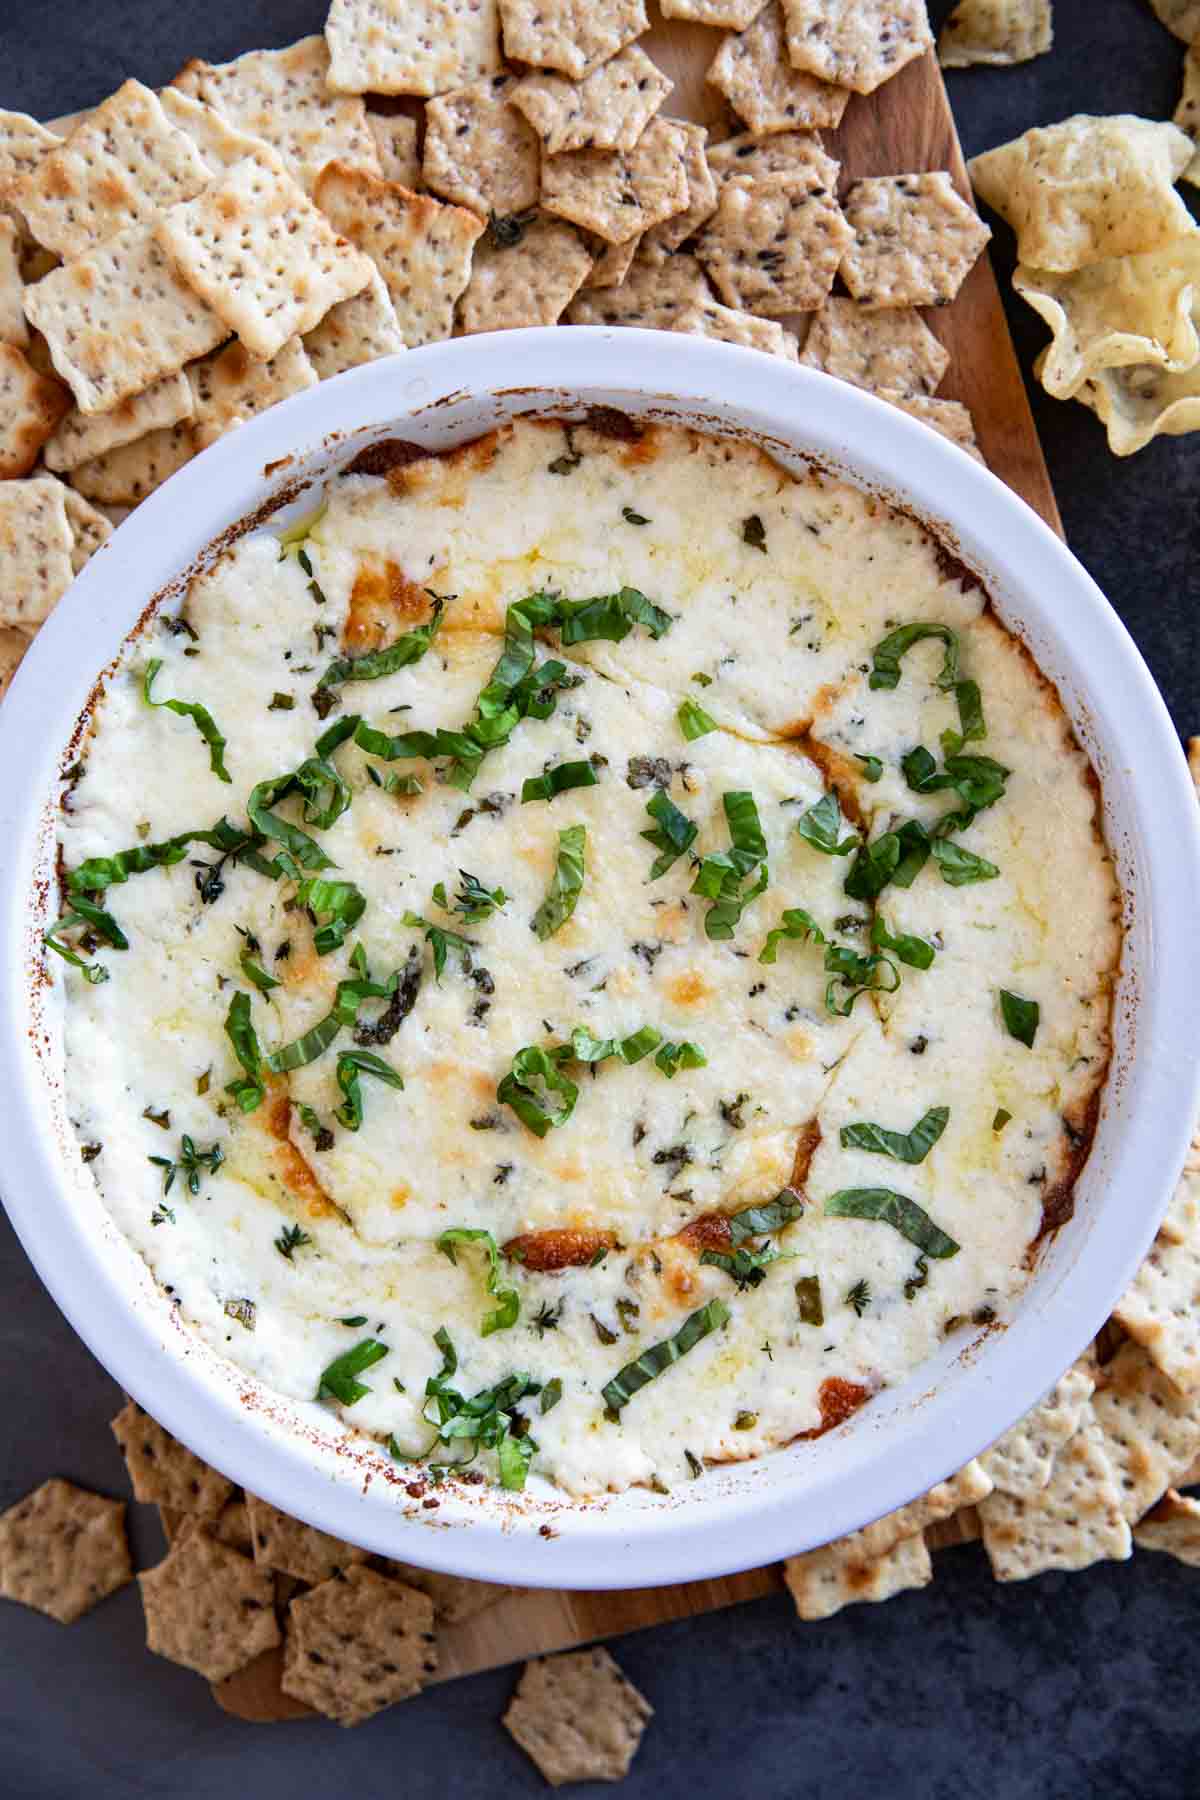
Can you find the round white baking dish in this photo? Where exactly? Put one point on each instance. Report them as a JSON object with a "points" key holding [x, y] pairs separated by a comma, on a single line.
{"points": [[297, 1455]]}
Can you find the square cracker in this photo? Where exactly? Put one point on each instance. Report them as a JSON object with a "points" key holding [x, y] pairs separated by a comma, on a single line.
{"points": [[81, 436], [577, 1717], [422, 47], [163, 1471], [1021, 1462], [575, 36], [620, 193], [220, 142], [999, 32], [967, 1488], [284, 98], [710, 319], [893, 350], [1161, 1310], [949, 418], [119, 318], [531, 282], [124, 163], [479, 151], [798, 153], [207, 1607], [608, 110], [1151, 1431], [823, 1581], [753, 73], [31, 405], [1074, 1521], [773, 246], [35, 551], [24, 145], [13, 328], [63, 1549], [654, 293], [257, 251], [1088, 188], [233, 386], [859, 44], [396, 147], [420, 246], [1174, 1527], [702, 193], [293, 1548], [124, 477], [454, 1598], [358, 1643], [1187, 113], [355, 331], [915, 240], [89, 528], [734, 15]]}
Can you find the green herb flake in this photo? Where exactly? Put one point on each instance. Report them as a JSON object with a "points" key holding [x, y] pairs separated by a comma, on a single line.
{"points": [[376, 664], [653, 1362], [960, 866], [761, 1221], [558, 780], [872, 767], [903, 1146], [508, 1301], [721, 878], [281, 702], [694, 722], [340, 1380], [809, 1306], [350, 1065], [674, 833], [889, 1208], [633, 518], [1001, 1118], [821, 825], [1021, 1017], [248, 1089], [859, 1297], [529, 1086], [672, 1057], [291, 1239], [917, 1280], [551, 1395], [243, 1312], [200, 716], [190, 1162], [885, 671], [566, 885]]}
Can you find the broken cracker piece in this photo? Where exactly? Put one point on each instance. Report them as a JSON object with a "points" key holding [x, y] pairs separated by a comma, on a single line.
{"points": [[949, 418], [125, 476], [575, 36], [358, 1643], [233, 386], [529, 282], [711, 319], [655, 291], [1173, 1526], [894, 349], [966, 1488], [479, 150], [220, 142], [89, 528], [997, 32], [355, 331], [702, 194], [733, 15], [35, 551], [608, 110], [859, 44], [207, 1607], [1151, 1431], [81, 436], [288, 1545], [421, 47], [823, 1581], [614, 261], [620, 193], [1071, 1523], [773, 245], [63, 1550], [13, 327], [1161, 1310], [163, 1471], [577, 1717], [31, 405], [798, 153], [396, 147], [24, 145], [753, 73], [915, 240], [1021, 1462]]}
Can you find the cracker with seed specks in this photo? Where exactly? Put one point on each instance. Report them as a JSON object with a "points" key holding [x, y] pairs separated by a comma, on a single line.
{"points": [[1151, 1431], [773, 246], [358, 1643], [24, 146], [163, 1471], [654, 293], [233, 386], [840, 1574], [89, 528], [35, 551], [63, 1549], [219, 141], [13, 328], [949, 418], [531, 282], [454, 1598], [1187, 113], [421, 47], [396, 147], [732, 15], [620, 193], [999, 32], [293, 1548], [754, 75], [420, 246], [257, 251], [231, 1526], [479, 151], [1161, 1310], [575, 36], [608, 110], [1071, 1523], [915, 240], [357, 331], [207, 1607], [711, 319], [82, 436], [798, 153], [1180, 16], [1173, 1527], [120, 318], [124, 163], [893, 350], [31, 405], [858, 44], [702, 194], [124, 477], [614, 262], [284, 98], [967, 1488], [577, 1717], [1021, 1462]]}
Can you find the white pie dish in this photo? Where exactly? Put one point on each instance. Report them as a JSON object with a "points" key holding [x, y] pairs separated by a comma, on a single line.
{"points": [[911, 1436]]}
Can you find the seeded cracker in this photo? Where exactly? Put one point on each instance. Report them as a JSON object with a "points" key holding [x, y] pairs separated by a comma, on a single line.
{"points": [[1161, 1310], [124, 163], [1021, 1462], [893, 350], [824, 1581], [62, 1550], [773, 246], [798, 153], [1000, 32], [1151, 1431], [1074, 1521], [967, 1488], [454, 1599], [283, 1543], [411, 46], [89, 528], [1173, 1527], [915, 240], [13, 329], [162, 1470], [1187, 113], [125, 476], [420, 247], [734, 15], [1140, 403], [219, 142], [24, 145], [479, 151], [35, 551], [530, 282], [654, 293], [1180, 16], [608, 110], [711, 319], [577, 1717], [753, 73], [614, 261], [82, 436], [620, 193], [949, 418], [358, 1643], [859, 44], [120, 318], [357, 331], [231, 1527], [702, 195], [207, 1607], [572, 35], [396, 147], [30, 407]]}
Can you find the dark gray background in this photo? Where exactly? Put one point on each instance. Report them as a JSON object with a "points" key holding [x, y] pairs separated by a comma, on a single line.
{"points": [[1062, 1687]]}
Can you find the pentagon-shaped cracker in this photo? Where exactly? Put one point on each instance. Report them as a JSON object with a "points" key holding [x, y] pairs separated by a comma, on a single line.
{"points": [[396, 147], [798, 153], [231, 1525], [620, 193], [875, 350], [454, 1599], [122, 165], [119, 318], [702, 194], [286, 1544], [572, 35], [967, 1488], [1141, 402], [285, 98], [915, 240], [1187, 113], [81, 436], [13, 645], [1020, 1463], [530, 282], [233, 386], [411, 46], [207, 1607], [823, 1581], [734, 15], [89, 527], [162, 1470], [1180, 16], [1151, 1431], [358, 1643], [773, 246], [125, 476], [421, 247], [1126, 309], [62, 1550], [1074, 1521], [1088, 188], [1161, 1310], [479, 151], [857, 43], [356, 331], [654, 293], [614, 261], [577, 1717], [1000, 32], [1174, 1527], [949, 418], [13, 328], [35, 551], [711, 319], [608, 110], [220, 142], [754, 75], [31, 405]]}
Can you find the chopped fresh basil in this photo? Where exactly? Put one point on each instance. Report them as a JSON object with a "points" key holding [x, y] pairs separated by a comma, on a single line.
{"points": [[885, 671], [889, 1208], [761, 1221], [348, 996], [694, 722], [672, 1057], [402, 654], [338, 907], [291, 1239], [586, 1048], [852, 973], [248, 1089], [488, 1420], [604, 1332], [754, 533], [652, 1362], [551, 1395], [322, 1137], [897, 856], [566, 884], [795, 924], [326, 796], [611, 617], [339, 1381], [917, 1280], [1020, 1016], [528, 1087], [979, 781], [872, 767], [820, 827], [558, 780], [508, 1301], [255, 973], [960, 866], [915, 951], [92, 972], [350, 1065], [904, 1146], [721, 878], [747, 1267], [809, 1306], [673, 834], [441, 941], [971, 727], [199, 715]]}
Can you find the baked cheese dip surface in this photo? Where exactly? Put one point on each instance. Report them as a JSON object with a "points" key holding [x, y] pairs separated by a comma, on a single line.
{"points": [[590, 953]]}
